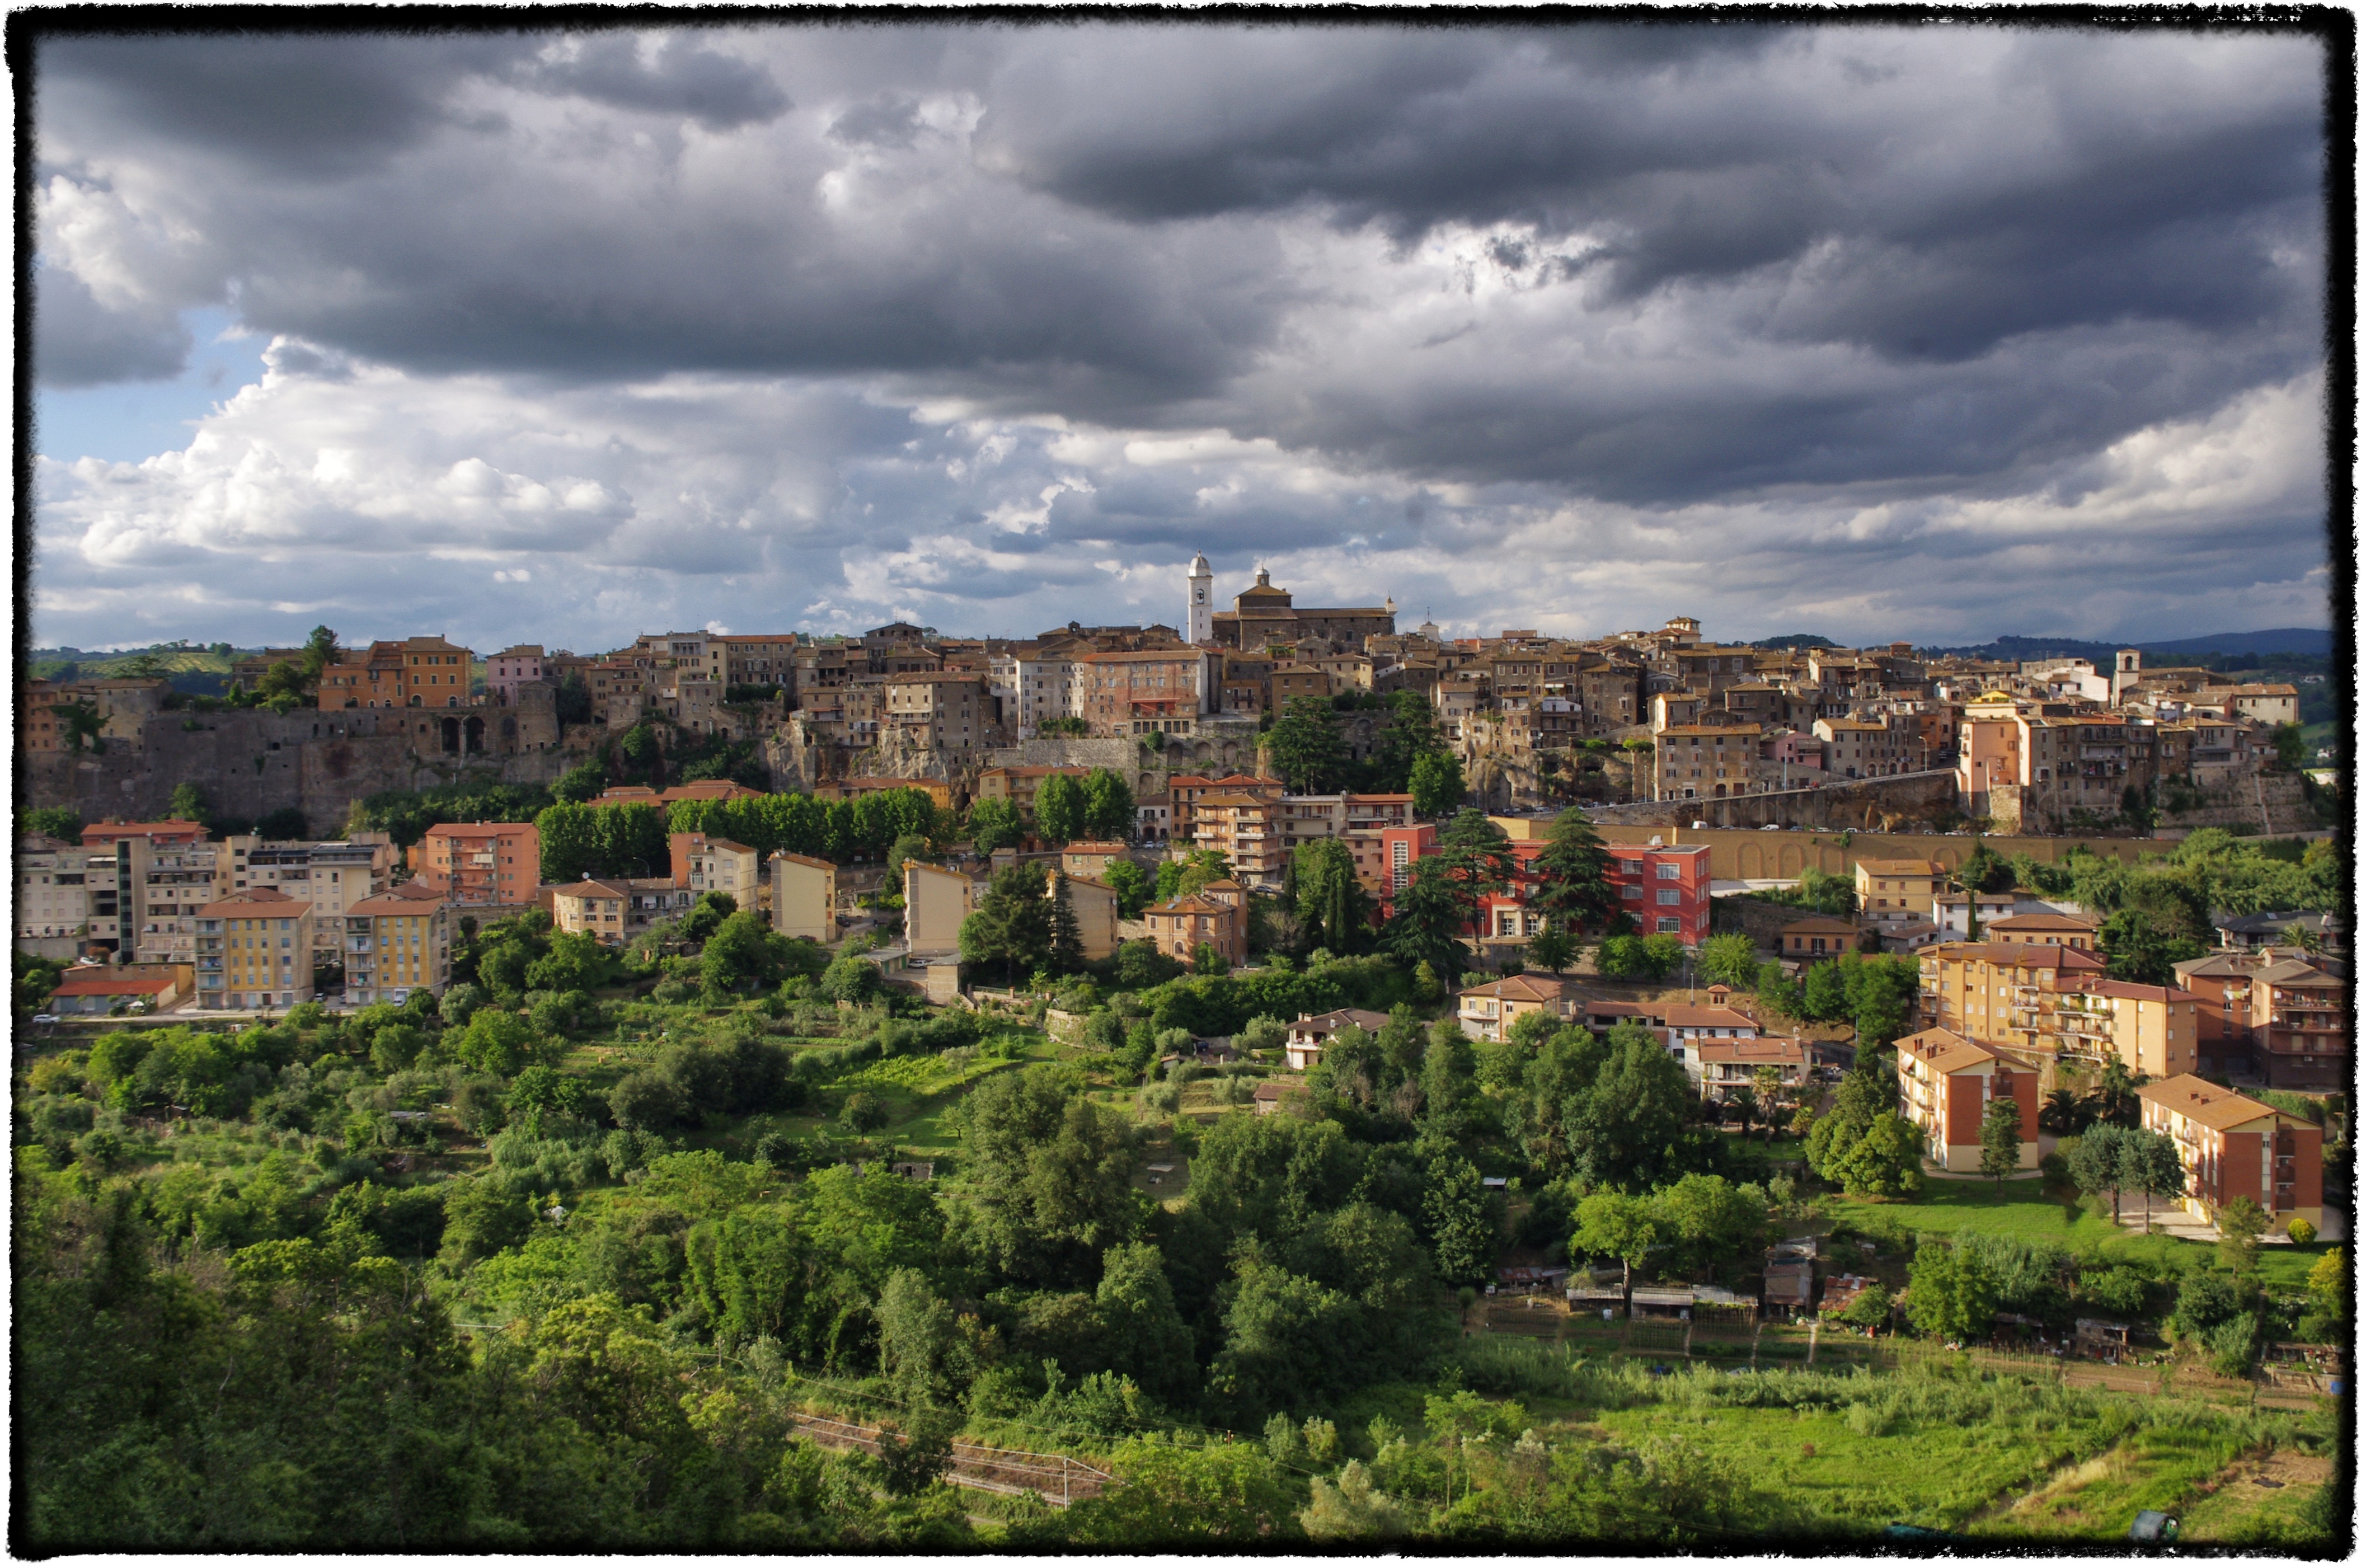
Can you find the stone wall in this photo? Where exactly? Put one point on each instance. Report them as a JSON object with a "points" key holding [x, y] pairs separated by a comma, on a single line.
{"points": [[1864, 805], [253, 762]]}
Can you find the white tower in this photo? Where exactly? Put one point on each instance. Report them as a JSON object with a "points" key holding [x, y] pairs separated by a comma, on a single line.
{"points": [[1200, 602]]}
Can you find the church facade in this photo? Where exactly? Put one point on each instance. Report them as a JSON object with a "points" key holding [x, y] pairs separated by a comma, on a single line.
{"points": [[1266, 615]]}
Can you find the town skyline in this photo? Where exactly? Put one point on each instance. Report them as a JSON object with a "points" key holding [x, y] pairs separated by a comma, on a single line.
{"points": [[990, 329]]}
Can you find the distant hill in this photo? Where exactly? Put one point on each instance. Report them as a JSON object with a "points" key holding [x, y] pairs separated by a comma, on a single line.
{"points": [[1794, 640], [2301, 642], [2314, 641]]}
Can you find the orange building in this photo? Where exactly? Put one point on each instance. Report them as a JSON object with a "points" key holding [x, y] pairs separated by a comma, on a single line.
{"points": [[417, 672], [1179, 927], [482, 862], [1947, 1079], [2234, 1147]]}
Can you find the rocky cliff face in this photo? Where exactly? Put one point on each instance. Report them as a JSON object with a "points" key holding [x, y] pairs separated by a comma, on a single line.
{"points": [[250, 764]]}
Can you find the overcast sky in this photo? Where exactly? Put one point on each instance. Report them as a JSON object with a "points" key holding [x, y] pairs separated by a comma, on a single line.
{"points": [[1931, 333]]}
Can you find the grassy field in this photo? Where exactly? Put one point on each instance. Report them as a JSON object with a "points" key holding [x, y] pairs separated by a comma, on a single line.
{"points": [[2023, 1209]]}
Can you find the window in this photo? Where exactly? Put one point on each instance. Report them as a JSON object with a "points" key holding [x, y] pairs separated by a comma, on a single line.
{"points": [[1668, 895], [1630, 892], [1667, 872], [1668, 923]]}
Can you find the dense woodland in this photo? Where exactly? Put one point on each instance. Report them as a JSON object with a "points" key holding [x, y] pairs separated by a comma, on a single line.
{"points": [[559, 1259]]}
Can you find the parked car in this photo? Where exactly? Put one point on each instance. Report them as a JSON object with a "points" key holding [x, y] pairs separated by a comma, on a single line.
{"points": [[45, 1017]]}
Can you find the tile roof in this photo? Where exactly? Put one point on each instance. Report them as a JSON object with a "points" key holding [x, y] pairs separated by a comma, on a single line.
{"points": [[1686, 1017], [1519, 988], [2040, 922], [2207, 1104], [1769, 1049], [593, 887], [1944, 1051]]}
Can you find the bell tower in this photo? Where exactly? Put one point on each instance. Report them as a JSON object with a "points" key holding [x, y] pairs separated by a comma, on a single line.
{"points": [[1200, 623]]}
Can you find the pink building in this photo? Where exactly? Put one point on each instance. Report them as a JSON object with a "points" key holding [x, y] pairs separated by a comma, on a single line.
{"points": [[513, 667], [1666, 889]]}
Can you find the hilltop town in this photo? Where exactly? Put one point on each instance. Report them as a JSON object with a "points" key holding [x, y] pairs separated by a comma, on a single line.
{"points": [[1271, 1022]]}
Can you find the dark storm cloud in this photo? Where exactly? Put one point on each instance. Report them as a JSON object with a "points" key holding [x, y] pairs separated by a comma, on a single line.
{"points": [[1437, 290], [83, 343], [715, 90], [310, 107]]}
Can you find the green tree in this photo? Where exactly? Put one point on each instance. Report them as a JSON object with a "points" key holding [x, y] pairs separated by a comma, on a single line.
{"points": [[2151, 1167], [1060, 809], [188, 804], [61, 822], [580, 783], [1570, 887], [1886, 1160], [743, 954], [1304, 747], [919, 1345], [1983, 872], [2000, 1136], [1729, 960], [1329, 899], [1553, 951], [995, 824], [1463, 1218], [495, 1041], [2097, 1164], [1151, 1345], [2241, 1222], [1132, 888], [1049, 1178], [1429, 914], [1710, 1218], [1437, 785], [1110, 813], [1952, 1294], [2139, 952], [1410, 733], [907, 848], [541, 1093], [1625, 1128], [1012, 926], [1065, 932], [1615, 1225]]}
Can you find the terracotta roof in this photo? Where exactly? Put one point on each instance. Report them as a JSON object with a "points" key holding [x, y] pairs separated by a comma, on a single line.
{"points": [[2140, 993], [107, 831], [1944, 1051], [2033, 955], [267, 901], [1686, 1017], [1769, 1049], [2207, 1104], [478, 829], [1519, 988], [1193, 905], [804, 860], [592, 887], [2041, 923], [394, 903]]}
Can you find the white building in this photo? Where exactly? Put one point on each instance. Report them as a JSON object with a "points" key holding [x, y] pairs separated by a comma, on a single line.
{"points": [[1200, 623]]}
